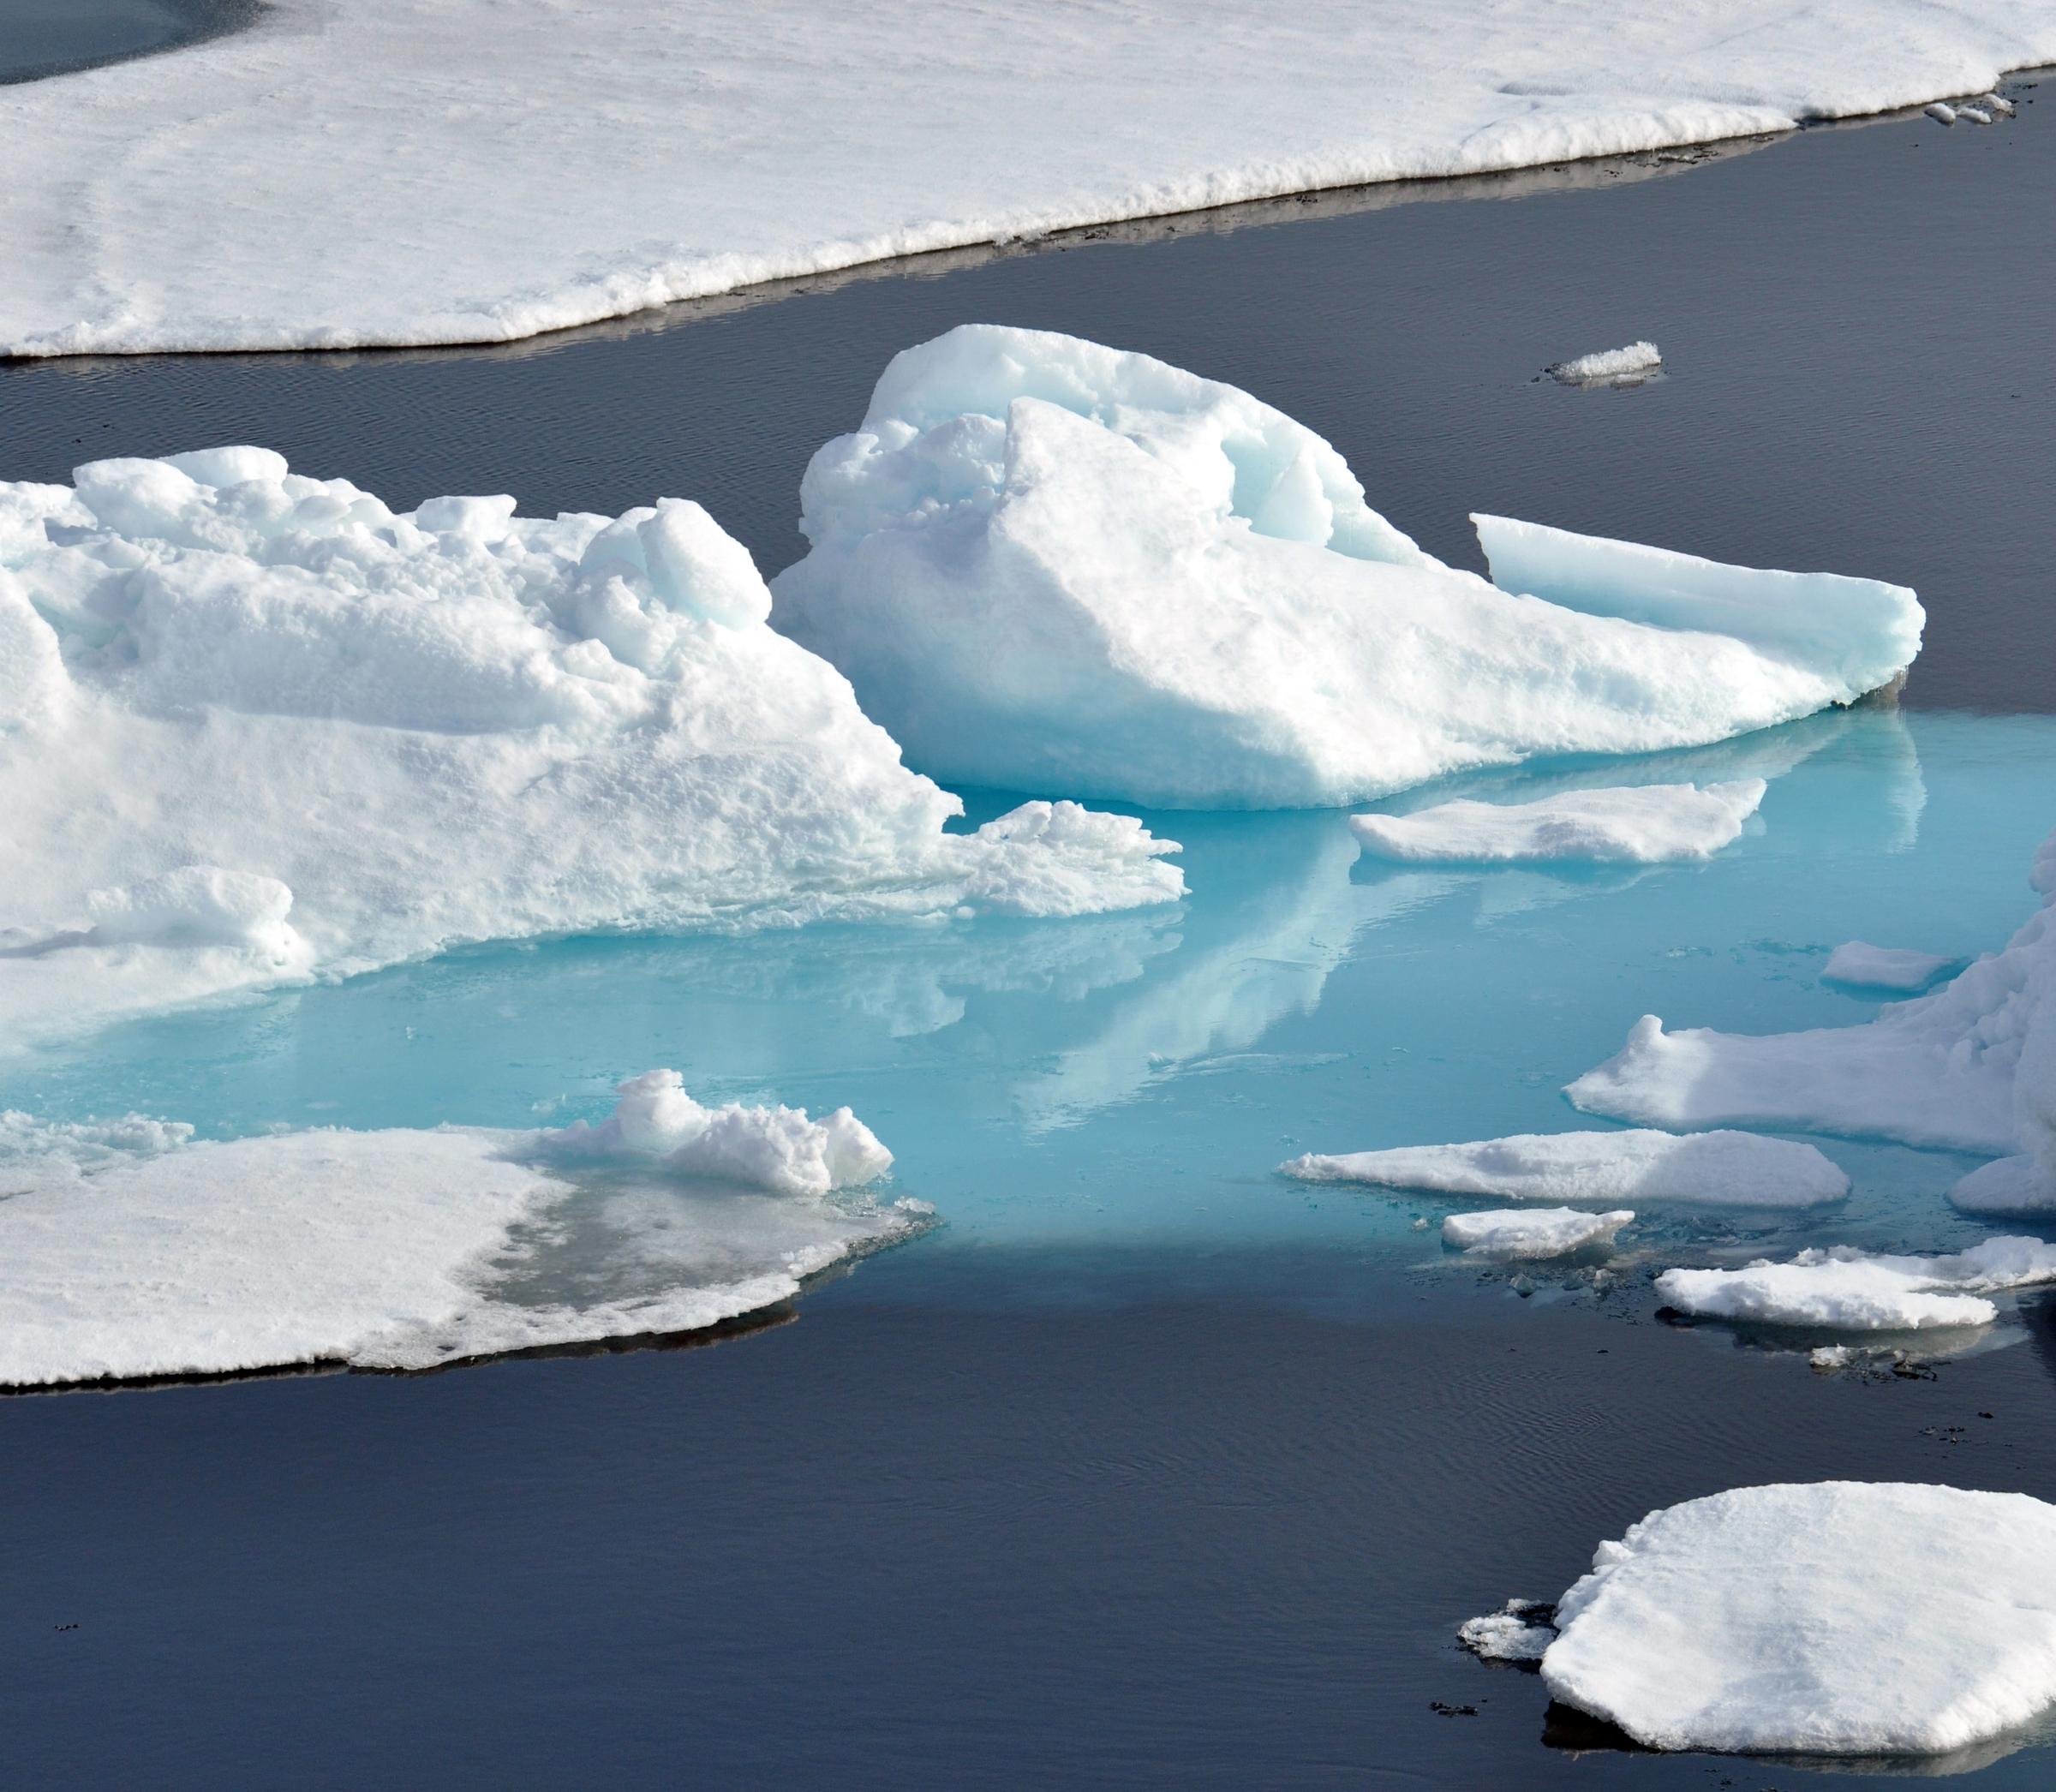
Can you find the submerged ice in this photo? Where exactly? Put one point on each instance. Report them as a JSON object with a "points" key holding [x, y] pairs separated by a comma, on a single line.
{"points": [[1531, 1231], [1046, 565], [1636, 825]]}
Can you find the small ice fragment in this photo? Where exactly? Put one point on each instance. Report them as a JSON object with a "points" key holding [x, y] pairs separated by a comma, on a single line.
{"points": [[1940, 112], [1828, 1358], [1997, 103], [1531, 1231], [1976, 114], [1521, 1630], [1637, 825], [1885, 967], [2017, 1184], [1843, 1289], [1637, 360]]}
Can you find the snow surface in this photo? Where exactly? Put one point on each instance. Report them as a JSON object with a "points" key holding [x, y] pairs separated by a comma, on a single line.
{"points": [[1046, 565], [1531, 1231], [397, 171], [1609, 367], [1729, 1169], [255, 727], [1885, 967], [1842, 1290], [1971, 1067], [1838, 1618], [1635, 824], [128, 1251], [1521, 1630]]}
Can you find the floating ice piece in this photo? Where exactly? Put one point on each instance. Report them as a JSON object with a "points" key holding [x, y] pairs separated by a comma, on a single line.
{"points": [[1531, 1231], [1521, 1630], [414, 731], [2024, 1183], [1637, 825], [1885, 967], [1941, 113], [1839, 1617], [1049, 565], [1842, 1290], [1610, 366], [1997, 103], [1729, 1169], [1975, 114], [128, 1251]]}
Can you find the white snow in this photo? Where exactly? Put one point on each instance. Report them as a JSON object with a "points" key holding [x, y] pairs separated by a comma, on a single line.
{"points": [[1519, 1631], [1531, 1231], [1609, 367], [391, 172], [1045, 564], [1885, 967], [127, 1251], [1637, 825], [1969, 1067], [255, 727], [1838, 1617], [1729, 1169], [1843, 1289]]}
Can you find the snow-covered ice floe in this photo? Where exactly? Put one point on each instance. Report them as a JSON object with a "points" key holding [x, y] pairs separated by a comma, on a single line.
{"points": [[128, 1250], [1831, 1618], [1970, 1068], [509, 197], [1630, 366], [1729, 1169], [1531, 1231], [1842, 1290], [1046, 565], [1885, 967], [255, 726], [1635, 825]]}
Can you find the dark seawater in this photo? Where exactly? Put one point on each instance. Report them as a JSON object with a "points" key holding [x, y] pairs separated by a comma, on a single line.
{"points": [[42, 38]]}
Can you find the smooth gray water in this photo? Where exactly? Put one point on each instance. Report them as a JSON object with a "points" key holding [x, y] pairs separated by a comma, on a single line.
{"points": [[40, 39]]}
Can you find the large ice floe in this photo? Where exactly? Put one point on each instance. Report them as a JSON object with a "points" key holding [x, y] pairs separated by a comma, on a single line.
{"points": [[1842, 1290], [1046, 565], [1641, 824], [130, 1250], [533, 169], [1727, 1169], [255, 726], [1830, 1618], [1970, 1068]]}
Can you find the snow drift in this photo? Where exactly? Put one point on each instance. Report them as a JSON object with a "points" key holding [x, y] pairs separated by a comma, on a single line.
{"points": [[254, 726], [1046, 564]]}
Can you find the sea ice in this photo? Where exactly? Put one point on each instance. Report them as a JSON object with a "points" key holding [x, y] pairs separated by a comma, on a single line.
{"points": [[1727, 1169], [530, 173], [127, 1250], [1842, 1290], [1049, 565], [255, 726], [1610, 366], [1885, 967], [1838, 1618], [1941, 113], [1531, 1231], [1521, 1630], [1638, 825]]}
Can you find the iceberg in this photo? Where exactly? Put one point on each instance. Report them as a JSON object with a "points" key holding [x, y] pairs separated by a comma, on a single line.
{"points": [[256, 726], [1841, 1289], [1725, 1169], [1534, 1232], [128, 1250], [1834, 1617], [1885, 967], [1046, 565], [1632, 825]]}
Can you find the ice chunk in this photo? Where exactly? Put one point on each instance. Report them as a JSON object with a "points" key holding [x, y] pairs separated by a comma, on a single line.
{"points": [[1975, 114], [1838, 1618], [1537, 1232], [1640, 825], [1610, 366], [1731, 1169], [1842, 1290], [1521, 1630], [2021, 1184], [1049, 565], [1941, 113], [1885, 967], [460, 725], [127, 1251], [1996, 103]]}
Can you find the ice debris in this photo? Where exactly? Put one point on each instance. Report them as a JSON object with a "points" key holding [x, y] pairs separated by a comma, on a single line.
{"points": [[1531, 1231], [411, 731], [1830, 1618], [1630, 366], [1843, 1289], [1521, 1630], [1638, 825], [1885, 967], [1047, 564], [1730, 1170], [1941, 111]]}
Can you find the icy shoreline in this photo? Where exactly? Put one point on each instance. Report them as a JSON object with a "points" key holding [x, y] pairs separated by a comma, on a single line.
{"points": [[484, 215]]}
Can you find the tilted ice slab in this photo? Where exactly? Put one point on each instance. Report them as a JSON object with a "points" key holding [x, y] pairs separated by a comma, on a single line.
{"points": [[1609, 367], [255, 726], [1842, 1290], [1733, 1169], [1531, 1231], [1970, 1068], [1046, 564], [482, 170], [1839, 1617], [127, 1251], [1635, 824], [1884, 967]]}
